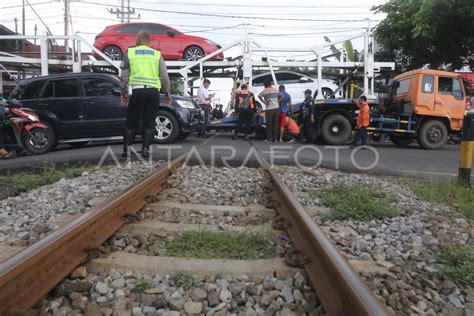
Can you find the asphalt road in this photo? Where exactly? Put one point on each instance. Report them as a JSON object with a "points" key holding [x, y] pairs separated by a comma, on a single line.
{"points": [[221, 150]]}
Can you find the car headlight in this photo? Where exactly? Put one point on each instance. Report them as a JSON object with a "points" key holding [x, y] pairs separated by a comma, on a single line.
{"points": [[186, 104]]}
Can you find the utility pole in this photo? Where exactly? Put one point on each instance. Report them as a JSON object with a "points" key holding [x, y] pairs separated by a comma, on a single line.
{"points": [[23, 17], [66, 22], [124, 14], [67, 14]]}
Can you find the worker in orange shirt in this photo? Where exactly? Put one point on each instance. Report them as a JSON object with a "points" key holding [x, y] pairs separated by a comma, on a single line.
{"points": [[363, 120], [292, 130]]}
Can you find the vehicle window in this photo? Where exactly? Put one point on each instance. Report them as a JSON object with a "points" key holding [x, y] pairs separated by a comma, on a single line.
{"points": [[427, 84], [61, 89], [445, 86], [450, 86], [97, 87], [130, 29], [156, 28], [403, 86], [457, 90], [29, 91], [49, 90], [259, 81], [288, 77], [66, 88]]}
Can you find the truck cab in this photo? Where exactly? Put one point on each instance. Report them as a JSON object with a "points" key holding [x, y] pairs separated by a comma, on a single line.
{"points": [[421, 104], [431, 94], [432, 102]]}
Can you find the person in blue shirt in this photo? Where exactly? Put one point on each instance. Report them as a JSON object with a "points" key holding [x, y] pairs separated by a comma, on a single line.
{"points": [[285, 106]]}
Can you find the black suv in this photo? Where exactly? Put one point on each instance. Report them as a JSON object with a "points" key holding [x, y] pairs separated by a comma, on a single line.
{"points": [[81, 107]]}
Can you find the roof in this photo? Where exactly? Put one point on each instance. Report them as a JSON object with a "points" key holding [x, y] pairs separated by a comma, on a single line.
{"points": [[5, 30], [426, 72], [70, 74]]}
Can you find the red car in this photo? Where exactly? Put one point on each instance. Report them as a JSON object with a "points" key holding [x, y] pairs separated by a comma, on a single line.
{"points": [[174, 45]]}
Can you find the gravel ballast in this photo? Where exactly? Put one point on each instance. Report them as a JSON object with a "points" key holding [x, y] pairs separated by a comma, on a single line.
{"points": [[405, 248], [126, 293], [30, 216], [219, 186]]}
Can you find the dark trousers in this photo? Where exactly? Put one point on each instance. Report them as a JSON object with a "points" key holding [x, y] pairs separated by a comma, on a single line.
{"points": [[201, 131], [361, 135], [271, 120], [308, 129], [143, 102], [245, 117], [289, 136], [3, 137]]}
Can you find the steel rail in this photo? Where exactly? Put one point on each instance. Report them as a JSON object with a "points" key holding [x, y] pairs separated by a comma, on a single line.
{"points": [[341, 290], [29, 275]]}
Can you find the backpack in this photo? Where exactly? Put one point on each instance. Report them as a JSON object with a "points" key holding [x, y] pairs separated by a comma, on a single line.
{"points": [[246, 102]]}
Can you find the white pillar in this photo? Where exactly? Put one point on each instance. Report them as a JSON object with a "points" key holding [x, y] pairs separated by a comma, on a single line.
{"points": [[320, 74], [366, 63], [44, 55], [247, 60]]}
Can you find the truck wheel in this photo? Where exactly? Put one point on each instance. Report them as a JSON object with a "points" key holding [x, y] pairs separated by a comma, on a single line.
{"points": [[402, 140], [432, 134], [39, 141], [336, 129], [167, 128]]}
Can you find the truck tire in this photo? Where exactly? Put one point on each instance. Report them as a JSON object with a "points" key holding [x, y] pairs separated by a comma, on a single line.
{"points": [[432, 135], [401, 140], [336, 129], [166, 128]]}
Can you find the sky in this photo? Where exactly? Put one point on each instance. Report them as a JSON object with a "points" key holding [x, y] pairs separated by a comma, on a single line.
{"points": [[273, 23]]}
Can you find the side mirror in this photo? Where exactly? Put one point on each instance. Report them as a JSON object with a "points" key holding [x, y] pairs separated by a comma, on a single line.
{"points": [[116, 91], [171, 33]]}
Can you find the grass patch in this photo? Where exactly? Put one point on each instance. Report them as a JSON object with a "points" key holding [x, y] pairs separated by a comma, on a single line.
{"points": [[459, 263], [143, 284], [450, 193], [209, 244], [24, 182], [184, 279], [357, 202]]}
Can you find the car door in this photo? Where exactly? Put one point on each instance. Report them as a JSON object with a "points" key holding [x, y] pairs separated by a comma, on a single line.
{"points": [[165, 40], [61, 97], [449, 100], [104, 116]]}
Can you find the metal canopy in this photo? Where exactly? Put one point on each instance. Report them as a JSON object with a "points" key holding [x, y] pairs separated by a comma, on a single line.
{"points": [[192, 70]]}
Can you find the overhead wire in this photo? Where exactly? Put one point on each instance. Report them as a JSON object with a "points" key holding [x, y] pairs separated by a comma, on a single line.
{"points": [[237, 16], [220, 4]]}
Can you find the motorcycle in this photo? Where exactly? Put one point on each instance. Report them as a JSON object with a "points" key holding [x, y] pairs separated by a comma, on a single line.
{"points": [[24, 129]]}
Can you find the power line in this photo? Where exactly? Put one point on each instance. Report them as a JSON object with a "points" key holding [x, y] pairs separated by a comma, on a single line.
{"points": [[309, 33], [242, 16], [20, 5], [39, 17], [123, 13], [254, 5]]}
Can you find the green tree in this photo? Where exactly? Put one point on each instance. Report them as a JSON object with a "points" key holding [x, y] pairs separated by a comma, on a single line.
{"points": [[416, 33]]}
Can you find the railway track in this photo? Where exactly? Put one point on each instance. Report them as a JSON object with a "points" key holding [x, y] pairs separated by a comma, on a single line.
{"points": [[29, 275]]}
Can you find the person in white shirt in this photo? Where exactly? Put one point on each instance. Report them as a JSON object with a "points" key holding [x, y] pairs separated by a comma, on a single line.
{"points": [[204, 101]]}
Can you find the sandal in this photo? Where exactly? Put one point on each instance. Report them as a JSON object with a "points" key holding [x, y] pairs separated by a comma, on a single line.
{"points": [[8, 155]]}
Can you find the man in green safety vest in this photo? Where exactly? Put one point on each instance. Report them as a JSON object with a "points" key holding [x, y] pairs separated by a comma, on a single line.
{"points": [[143, 75]]}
